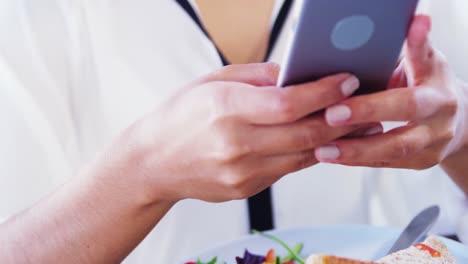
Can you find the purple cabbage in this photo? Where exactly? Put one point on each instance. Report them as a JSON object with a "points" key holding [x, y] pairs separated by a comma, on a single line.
{"points": [[250, 258]]}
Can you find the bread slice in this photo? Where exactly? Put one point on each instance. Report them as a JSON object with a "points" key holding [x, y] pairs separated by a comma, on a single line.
{"points": [[414, 255], [327, 259], [411, 255]]}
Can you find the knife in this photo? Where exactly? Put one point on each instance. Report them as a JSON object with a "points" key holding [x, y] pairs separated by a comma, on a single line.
{"points": [[416, 229]]}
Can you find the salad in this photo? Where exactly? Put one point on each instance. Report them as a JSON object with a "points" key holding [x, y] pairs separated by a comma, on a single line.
{"points": [[269, 258], [431, 251]]}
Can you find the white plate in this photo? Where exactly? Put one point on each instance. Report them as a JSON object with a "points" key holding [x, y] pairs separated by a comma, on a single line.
{"points": [[354, 241]]}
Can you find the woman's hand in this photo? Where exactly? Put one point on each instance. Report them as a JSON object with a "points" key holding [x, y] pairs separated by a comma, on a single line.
{"points": [[232, 134], [226, 136], [432, 101]]}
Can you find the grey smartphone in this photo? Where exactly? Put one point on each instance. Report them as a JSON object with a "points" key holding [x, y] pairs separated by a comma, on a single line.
{"points": [[362, 37]]}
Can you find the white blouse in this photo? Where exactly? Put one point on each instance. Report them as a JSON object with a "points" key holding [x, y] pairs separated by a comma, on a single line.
{"points": [[73, 73]]}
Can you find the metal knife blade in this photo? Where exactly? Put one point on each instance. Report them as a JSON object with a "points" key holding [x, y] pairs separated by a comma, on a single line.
{"points": [[416, 229]]}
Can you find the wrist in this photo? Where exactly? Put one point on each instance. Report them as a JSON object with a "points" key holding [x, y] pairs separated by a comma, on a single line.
{"points": [[455, 166], [127, 168], [459, 124]]}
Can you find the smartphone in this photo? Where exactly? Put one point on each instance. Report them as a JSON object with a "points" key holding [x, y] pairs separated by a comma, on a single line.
{"points": [[361, 37]]}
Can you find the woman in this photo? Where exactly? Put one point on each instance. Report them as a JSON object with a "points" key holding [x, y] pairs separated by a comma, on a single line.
{"points": [[77, 74]]}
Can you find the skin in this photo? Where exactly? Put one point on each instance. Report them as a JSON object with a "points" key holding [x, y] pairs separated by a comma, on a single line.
{"points": [[245, 135], [240, 29], [424, 93]]}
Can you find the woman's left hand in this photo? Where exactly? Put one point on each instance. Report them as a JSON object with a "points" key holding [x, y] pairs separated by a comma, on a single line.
{"points": [[432, 100]]}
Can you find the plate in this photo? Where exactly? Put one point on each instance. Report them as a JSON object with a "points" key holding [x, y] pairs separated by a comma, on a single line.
{"points": [[353, 241]]}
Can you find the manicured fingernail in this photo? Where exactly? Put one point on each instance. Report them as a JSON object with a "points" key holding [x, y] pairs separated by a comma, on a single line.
{"points": [[273, 65], [374, 131], [328, 152], [338, 114], [349, 86]]}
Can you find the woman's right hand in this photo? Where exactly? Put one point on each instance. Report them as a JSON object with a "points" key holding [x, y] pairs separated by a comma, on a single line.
{"points": [[231, 134]]}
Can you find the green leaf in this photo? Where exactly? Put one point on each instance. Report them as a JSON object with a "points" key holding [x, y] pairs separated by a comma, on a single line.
{"points": [[295, 255], [213, 261], [297, 249]]}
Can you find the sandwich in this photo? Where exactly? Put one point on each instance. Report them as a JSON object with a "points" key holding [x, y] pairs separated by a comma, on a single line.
{"points": [[431, 251]]}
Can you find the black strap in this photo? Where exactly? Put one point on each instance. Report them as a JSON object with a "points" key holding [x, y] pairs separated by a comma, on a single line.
{"points": [[260, 205]]}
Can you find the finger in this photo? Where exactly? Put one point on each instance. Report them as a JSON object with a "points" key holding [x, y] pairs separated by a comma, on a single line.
{"points": [[375, 164], [368, 130], [420, 162], [401, 104], [280, 165], [398, 144], [258, 174], [300, 136], [273, 105], [253, 174], [257, 74], [418, 50]]}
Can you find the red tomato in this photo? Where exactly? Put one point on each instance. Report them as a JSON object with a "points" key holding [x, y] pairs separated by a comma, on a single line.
{"points": [[427, 248]]}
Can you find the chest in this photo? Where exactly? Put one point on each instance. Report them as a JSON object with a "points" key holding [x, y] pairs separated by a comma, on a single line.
{"points": [[240, 29]]}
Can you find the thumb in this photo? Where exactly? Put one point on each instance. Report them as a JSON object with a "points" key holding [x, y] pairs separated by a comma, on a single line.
{"points": [[419, 52], [398, 78]]}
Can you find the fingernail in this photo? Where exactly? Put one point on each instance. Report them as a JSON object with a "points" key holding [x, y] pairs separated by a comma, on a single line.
{"points": [[374, 131], [328, 152], [338, 114], [349, 86], [273, 65]]}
